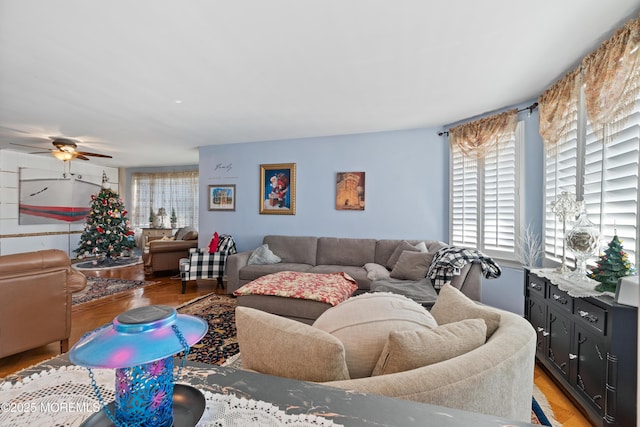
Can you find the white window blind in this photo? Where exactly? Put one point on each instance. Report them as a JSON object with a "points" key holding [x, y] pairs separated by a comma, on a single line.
{"points": [[611, 182], [464, 201], [485, 203], [169, 190], [605, 176], [560, 171]]}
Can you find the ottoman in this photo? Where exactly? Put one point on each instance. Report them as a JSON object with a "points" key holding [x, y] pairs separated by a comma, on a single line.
{"points": [[295, 295]]}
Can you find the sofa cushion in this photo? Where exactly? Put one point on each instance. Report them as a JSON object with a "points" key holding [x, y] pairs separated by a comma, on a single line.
{"points": [[339, 251], [293, 249], [405, 350], [385, 247], [263, 255], [395, 256], [412, 265], [186, 233], [453, 306], [279, 346], [421, 246], [376, 271], [363, 323]]}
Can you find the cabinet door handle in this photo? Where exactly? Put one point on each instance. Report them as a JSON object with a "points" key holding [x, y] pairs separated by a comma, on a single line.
{"points": [[540, 329], [573, 356], [536, 286], [560, 299], [545, 334], [586, 315]]}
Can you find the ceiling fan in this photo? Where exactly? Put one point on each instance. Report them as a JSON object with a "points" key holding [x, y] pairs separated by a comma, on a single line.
{"points": [[66, 149]]}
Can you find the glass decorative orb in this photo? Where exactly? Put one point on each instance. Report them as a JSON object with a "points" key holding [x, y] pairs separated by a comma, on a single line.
{"points": [[583, 240]]}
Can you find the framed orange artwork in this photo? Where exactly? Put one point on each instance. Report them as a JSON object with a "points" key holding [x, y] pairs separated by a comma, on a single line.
{"points": [[350, 191]]}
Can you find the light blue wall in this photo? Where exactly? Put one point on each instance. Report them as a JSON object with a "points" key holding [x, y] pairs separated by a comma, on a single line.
{"points": [[406, 186], [407, 191]]}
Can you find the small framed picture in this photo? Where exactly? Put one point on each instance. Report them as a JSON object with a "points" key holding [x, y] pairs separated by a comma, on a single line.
{"points": [[278, 189], [222, 197], [350, 191]]}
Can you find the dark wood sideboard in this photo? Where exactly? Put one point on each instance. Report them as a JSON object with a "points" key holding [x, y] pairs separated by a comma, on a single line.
{"points": [[589, 346]]}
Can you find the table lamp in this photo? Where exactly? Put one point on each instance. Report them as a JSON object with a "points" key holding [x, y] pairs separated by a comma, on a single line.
{"points": [[140, 344], [162, 212]]}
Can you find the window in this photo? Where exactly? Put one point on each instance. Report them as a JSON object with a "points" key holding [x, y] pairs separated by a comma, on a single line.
{"points": [[485, 198], [170, 190], [604, 175], [595, 155]]}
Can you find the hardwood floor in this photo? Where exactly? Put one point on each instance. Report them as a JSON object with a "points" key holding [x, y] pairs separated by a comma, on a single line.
{"points": [[564, 411], [87, 317]]}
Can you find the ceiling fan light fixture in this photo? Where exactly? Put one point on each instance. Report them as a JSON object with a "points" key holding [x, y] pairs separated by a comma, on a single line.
{"points": [[63, 155]]}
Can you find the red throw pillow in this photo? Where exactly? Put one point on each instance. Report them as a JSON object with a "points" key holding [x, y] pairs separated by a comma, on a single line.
{"points": [[213, 244]]}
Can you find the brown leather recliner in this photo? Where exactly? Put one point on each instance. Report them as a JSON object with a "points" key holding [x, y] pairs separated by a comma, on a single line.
{"points": [[35, 300], [165, 255]]}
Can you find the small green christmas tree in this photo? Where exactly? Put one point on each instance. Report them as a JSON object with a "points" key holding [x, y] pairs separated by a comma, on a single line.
{"points": [[174, 218], [612, 265], [107, 231]]}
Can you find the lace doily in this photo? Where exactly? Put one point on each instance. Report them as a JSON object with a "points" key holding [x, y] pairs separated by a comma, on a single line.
{"points": [[65, 397], [577, 287]]}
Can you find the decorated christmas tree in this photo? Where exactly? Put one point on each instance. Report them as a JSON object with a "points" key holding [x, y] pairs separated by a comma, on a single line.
{"points": [[612, 265], [107, 233]]}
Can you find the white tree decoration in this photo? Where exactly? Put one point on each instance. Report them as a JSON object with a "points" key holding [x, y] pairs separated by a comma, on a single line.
{"points": [[529, 247]]}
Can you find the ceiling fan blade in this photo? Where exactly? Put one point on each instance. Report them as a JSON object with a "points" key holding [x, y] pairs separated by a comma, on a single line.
{"points": [[40, 152], [94, 154], [29, 146], [81, 157], [15, 130]]}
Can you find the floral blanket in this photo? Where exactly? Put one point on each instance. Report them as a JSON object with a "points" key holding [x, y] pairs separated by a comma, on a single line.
{"points": [[330, 288]]}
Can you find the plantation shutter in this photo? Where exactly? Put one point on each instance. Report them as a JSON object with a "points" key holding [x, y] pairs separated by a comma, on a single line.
{"points": [[500, 196], [464, 200], [560, 172], [611, 180]]}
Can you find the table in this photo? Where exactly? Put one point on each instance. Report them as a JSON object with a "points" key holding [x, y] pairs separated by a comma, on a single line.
{"points": [[298, 397]]}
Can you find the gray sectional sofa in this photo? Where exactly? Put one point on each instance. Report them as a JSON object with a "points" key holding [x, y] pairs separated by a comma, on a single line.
{"points": [[332, 254]]}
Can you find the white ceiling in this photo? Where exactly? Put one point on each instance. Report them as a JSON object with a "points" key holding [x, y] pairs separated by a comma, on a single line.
{"points": [[149, 81]]}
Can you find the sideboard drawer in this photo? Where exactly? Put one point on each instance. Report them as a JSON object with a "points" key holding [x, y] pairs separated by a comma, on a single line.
{"points": [[537, 285], [590, 314], [560, 299]]}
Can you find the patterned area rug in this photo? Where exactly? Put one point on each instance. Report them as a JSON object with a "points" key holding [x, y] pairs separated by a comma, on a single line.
{"points": [[220, 342], [541, 411], [108, 263], [100, 287]]}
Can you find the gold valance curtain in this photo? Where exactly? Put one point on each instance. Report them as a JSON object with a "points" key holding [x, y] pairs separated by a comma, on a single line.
{"points": [[612, 80], [558, 109], [476, 139]]}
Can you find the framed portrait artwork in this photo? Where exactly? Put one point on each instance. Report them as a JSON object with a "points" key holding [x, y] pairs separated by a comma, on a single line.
{"points": [[222, 197], [350, 191], [278, 189]]}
